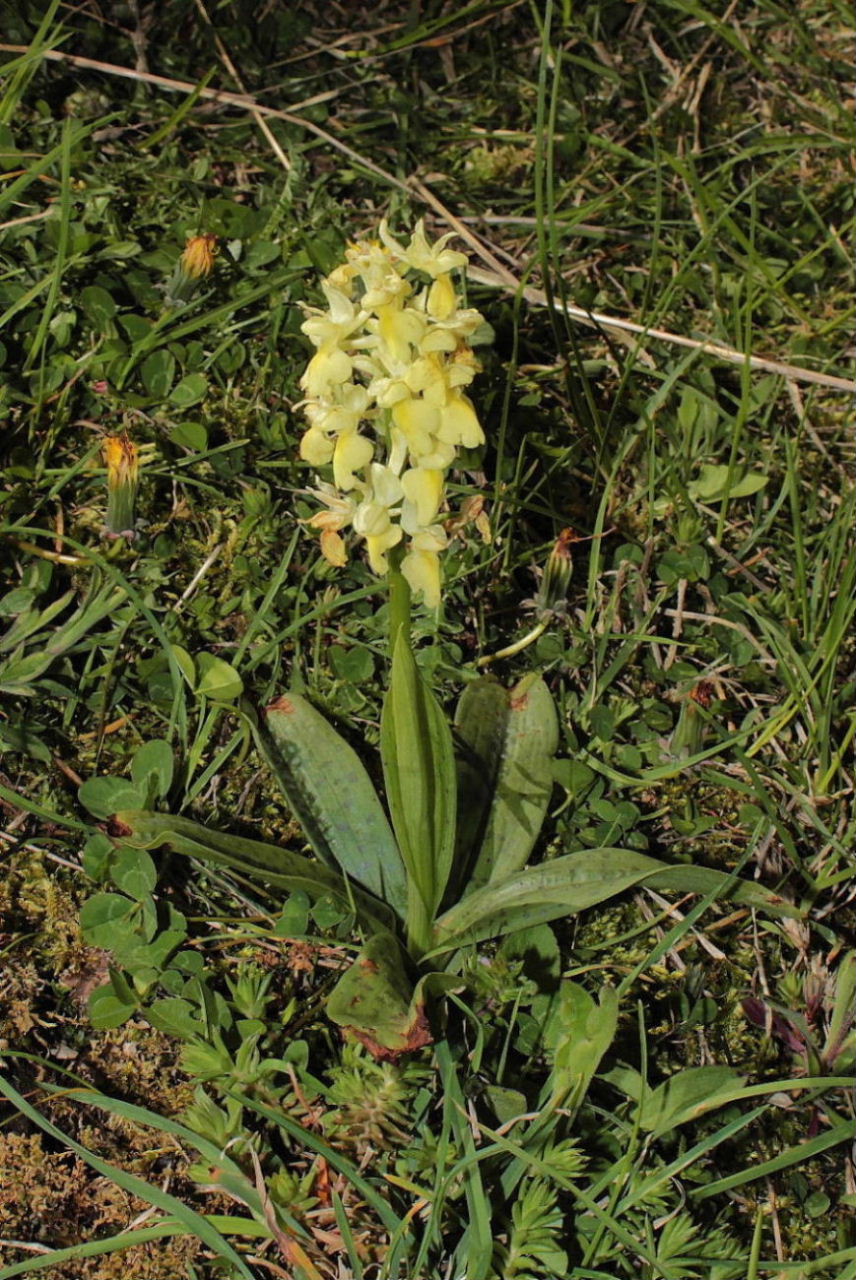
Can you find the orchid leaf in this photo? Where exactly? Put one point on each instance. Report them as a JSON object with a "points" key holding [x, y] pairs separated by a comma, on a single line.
{"points": [[330, 792], [378, 1004], [279, 868], [575, 881], [511, 737]]}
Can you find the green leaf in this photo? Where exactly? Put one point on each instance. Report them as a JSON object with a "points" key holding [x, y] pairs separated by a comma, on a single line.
{"points": [[419, 771], [186, 665], [136, 327], [134, 872], [513, 743], [752, 482], [261, 253], [98, 305], [16, 601], [191, 389], [506, 1103], [840, 1040], [626, 1080], [176, 1017], [152, 768], [103, 796], [293, 920], [330, 792], [157, 372], [277, 867], [575, 776], [538, 948], [190, 435], [712, 484], [688, 879], [107, 1009], [575, 881], [97, 854], [103, 915], [354, 665], [146, 960], [686, 1096], [577, 1035], [216, 679], [481, 717]]}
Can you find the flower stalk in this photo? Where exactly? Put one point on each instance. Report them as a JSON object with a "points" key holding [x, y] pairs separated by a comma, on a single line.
{"points": [[399, 603], [551, 599]]}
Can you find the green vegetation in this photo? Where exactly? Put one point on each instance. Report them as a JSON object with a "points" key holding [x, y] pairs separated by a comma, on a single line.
{"points": [[607, 1021]]}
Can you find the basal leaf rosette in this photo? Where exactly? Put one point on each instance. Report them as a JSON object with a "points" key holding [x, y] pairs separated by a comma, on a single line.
{"points": [[386, 401]]}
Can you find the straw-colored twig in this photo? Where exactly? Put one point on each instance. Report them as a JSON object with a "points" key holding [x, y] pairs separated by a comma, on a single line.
{"points": [[709, 346], [30, 217]]}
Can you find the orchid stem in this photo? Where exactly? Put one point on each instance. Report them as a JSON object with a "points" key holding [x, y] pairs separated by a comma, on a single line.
{"points": [[399, 603]]}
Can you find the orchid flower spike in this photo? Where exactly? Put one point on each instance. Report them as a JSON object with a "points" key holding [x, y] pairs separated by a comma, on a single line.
{"points": [[386, 401]]}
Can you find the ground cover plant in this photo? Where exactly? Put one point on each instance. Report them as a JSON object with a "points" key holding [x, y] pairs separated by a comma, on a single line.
{"points": [[427, 663]]}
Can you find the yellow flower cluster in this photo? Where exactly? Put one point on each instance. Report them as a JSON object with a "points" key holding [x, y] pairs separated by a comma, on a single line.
{"points": [[393, 354]]}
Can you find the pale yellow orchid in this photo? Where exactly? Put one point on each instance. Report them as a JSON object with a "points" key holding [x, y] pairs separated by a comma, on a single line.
{"points": [[345, 413], [418, 421], [462, 368], [373, 518], [459, 424], [329, 368], [382, 284], [423, 493], [442, 299], [434, 259], [385, 401], [421, 565], [352, 452], [399, 330], [328, 329], [316, 448]]}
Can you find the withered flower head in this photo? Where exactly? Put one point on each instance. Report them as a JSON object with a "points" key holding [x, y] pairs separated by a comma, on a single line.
{"points": [[557, 574], [122, 459], [703, 693], [199, 254]]}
